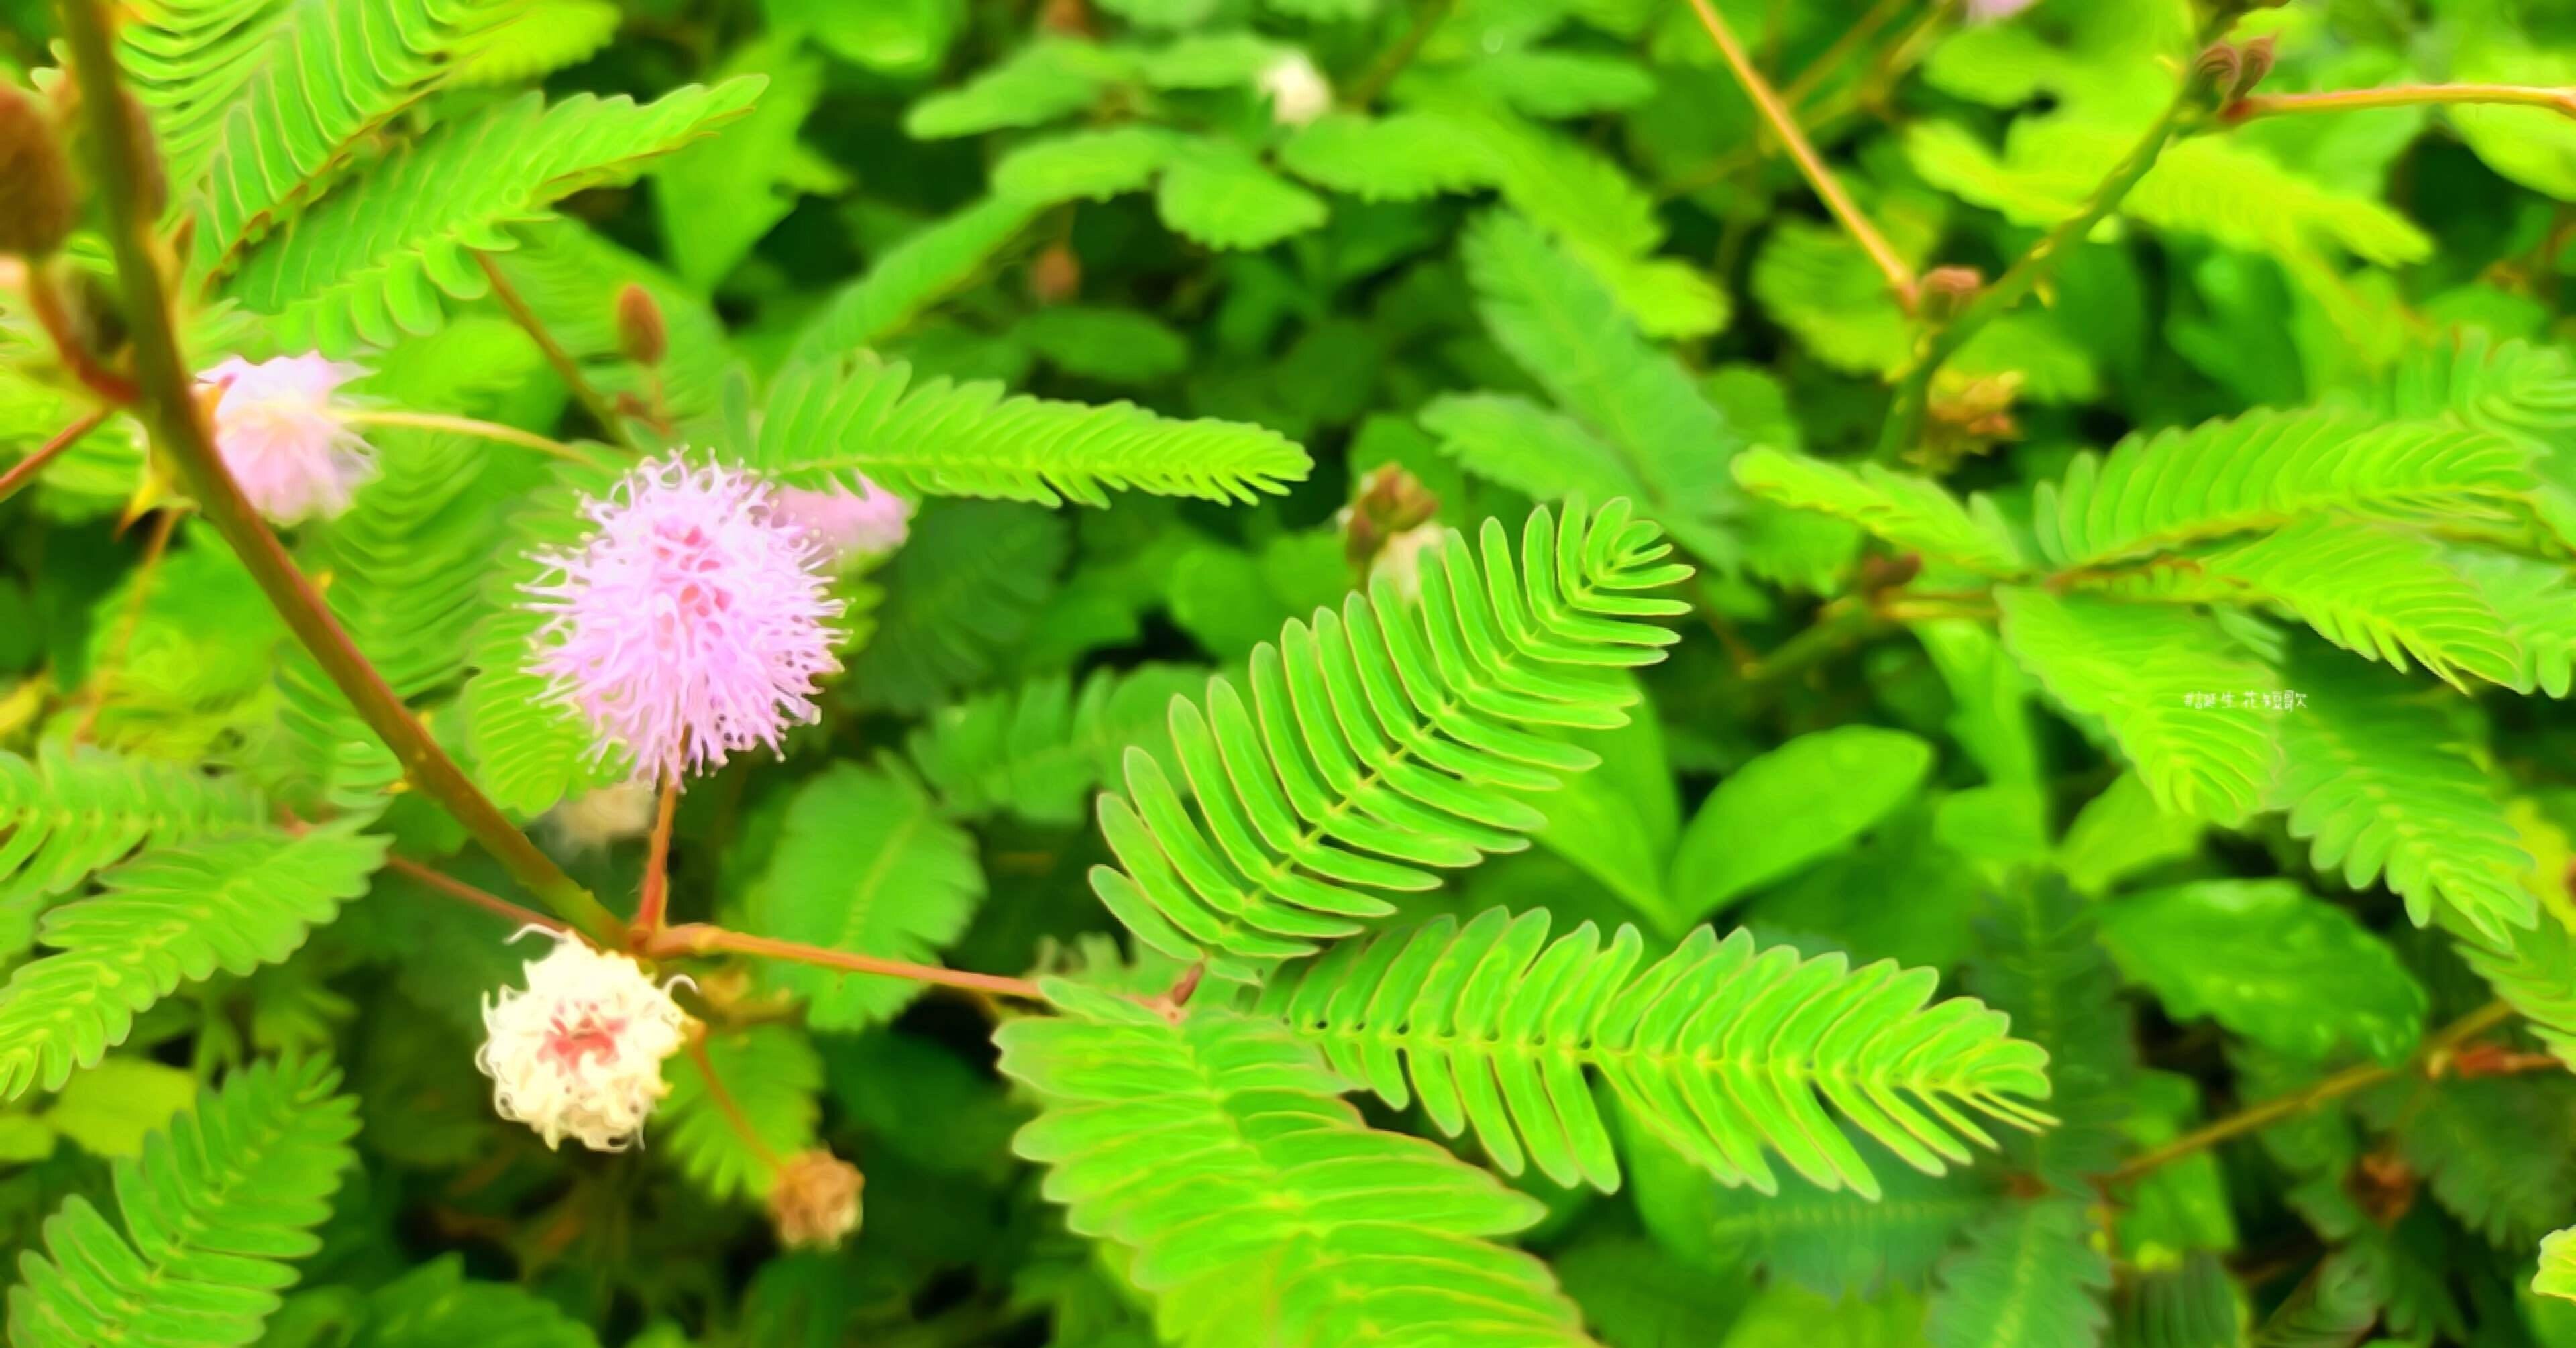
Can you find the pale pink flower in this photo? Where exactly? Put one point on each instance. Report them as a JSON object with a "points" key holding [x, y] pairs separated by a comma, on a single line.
{"points": [[851, 526], [283, 438], [578, 1053], [691, 623]]}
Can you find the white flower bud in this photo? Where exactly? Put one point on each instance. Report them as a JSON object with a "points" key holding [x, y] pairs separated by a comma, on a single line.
{"points": [[579, 1052], [594, 819], [1298, 93], [1401, 559]]}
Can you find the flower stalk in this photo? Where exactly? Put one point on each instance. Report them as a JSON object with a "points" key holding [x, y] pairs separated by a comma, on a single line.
{"points": [[1784, 124]]}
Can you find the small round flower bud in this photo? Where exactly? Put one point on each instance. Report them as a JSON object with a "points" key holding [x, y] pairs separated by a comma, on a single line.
{"points": [[815, 1204], [2258, 57], [1947, 290], [1055, 275], [1297, 91], [578, 1052], [37, 205], [641, 337], [2217, 67]]}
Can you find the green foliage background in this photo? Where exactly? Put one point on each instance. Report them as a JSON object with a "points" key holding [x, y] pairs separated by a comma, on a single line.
{"points": [[1754, 880]]}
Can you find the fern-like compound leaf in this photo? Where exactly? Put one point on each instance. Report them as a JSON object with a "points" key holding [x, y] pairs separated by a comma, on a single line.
{"points": [[827, 423], [1913, 513], [1039, 750], [2383, 592], [437, 1306], [866, 864], [2376, 782], [1260, 1209], [1384, 739], [773, 1077], [68, 812], [215, 1210], [374, 261], [2029, 1277], [2263, 470], [2182, 702], [1723, 1050], [174, 914]]}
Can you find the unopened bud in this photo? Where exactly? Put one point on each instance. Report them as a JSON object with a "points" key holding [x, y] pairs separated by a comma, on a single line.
{"points": [[816, 1202], [1947, 290], [2217, 67], [2258, 57], [641, 337], [37, 208], [1390, 502], [151, 177], [1055, 275]]}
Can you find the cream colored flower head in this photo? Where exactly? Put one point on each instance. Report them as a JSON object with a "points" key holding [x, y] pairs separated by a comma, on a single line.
{"points": [[284, 436], [578, 1052], [1298, 93], [1401, 560]]}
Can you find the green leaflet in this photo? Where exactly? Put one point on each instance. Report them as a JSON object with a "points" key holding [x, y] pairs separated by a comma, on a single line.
{"points": [[369, 263], [865, 864], [213, 1209], [828, 422], [773, 1076], [1257, 1206], [1720, 1050], [1801, 801], [1910, 512], [174, 914], [1290, 835], [2185, 704], [1038, 750], [2376, 781], [2262, 470], [2271, 962], [2029, 1277]]}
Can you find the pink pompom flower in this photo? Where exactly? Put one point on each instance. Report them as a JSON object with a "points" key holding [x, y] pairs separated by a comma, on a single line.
{"points": [[851, 527], [283, 437], [691, 622]]}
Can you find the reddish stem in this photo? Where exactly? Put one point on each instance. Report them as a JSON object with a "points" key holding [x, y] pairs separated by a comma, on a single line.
{"points": [[700, 939], [24, 471], [657, 870], [459, 890]]}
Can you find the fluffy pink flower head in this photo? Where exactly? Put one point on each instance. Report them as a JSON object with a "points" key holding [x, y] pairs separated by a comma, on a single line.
{"points": [[850, 526], [691, 622], [283, 439]]}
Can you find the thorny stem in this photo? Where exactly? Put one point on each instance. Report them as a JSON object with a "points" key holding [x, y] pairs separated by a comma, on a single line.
{"points": [[1942, 341], [565, 367], [179, 433], [24, 470], [487, 430], [1783, 123], [1383, 71], [2560, 100], [656, 899], [2428, 1060], [698, 939], [154, 549], [454, 888], [725, 1103]]}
